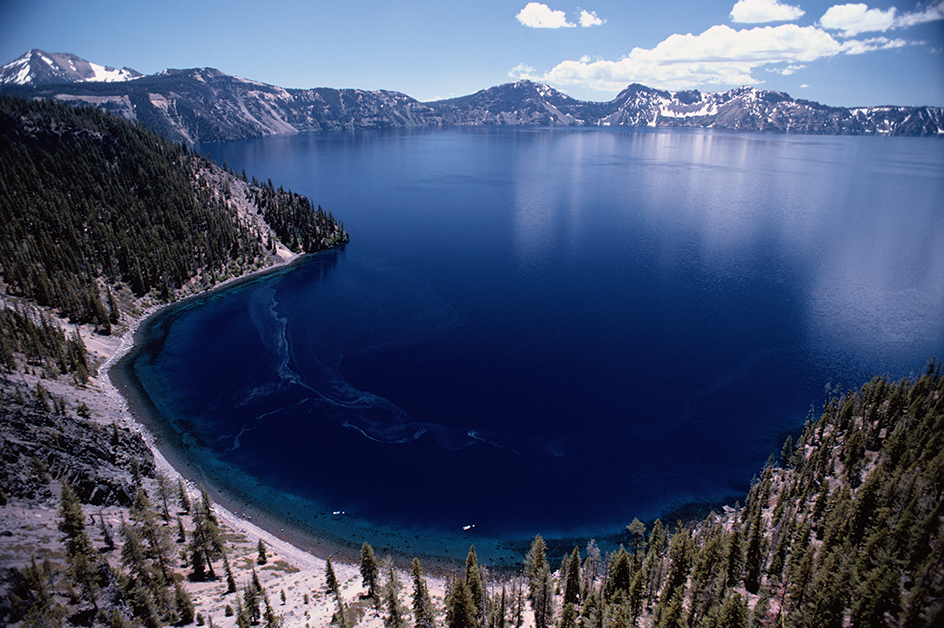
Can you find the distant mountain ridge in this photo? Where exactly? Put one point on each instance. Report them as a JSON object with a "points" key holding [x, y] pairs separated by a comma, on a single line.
{"points": [[44, 68], [204, 104]]}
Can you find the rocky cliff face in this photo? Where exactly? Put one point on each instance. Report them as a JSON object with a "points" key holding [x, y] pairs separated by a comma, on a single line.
{"points": [[203, 105], [44, 438]]}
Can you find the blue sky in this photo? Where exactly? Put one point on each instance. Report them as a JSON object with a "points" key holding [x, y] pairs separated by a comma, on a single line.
{"points": [[836, 53]]}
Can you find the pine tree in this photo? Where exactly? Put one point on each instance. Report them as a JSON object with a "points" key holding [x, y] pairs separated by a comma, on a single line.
{"points": [[261, 550], [71, 520], [331, 580], [369, 569], [156, 536], [540, 587], [826, 603], [671, 617], [460, 608], [230, 580], [635, 598], [616, 612], [734, 554], [733, 612], [620, 573], [535, 562], [183, 499], [680, 558], [753, 560], [568, 618], [143, 606], [543, 602], [42, 608], [473, 580], [79, 552], [637, 530], [786, 452], [206, 543], [242, 616], [572, 582], [185, 609], [206, 506], [251, 602], [133, 553], [707, 564], [197, 564], [592, 564], [591, 613], [879, 593], [423, 612], [163, 491], [396, 614], [256, 583]]}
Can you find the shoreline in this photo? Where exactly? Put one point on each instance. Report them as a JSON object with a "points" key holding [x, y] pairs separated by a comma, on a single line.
{"points": [[308, 544], [308, 528], [114, 385]]}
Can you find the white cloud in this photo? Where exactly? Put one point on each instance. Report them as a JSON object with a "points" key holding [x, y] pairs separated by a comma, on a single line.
{"points": [[787, 71], [756, 11], [719, 56], [522, 69], [537, 15], [858, 47], [853, 19], [589, 18], [725, 56], [932, 13]]}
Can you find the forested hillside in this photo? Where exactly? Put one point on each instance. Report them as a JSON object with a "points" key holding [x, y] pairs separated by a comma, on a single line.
{"points": [[92, 205]]}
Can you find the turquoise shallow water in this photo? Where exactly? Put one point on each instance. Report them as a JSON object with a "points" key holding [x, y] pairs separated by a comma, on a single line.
{"points": [[548, 330]]}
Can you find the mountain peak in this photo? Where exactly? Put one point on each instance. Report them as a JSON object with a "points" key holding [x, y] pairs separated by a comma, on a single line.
{"points": [[38, 67], [204, 104]]}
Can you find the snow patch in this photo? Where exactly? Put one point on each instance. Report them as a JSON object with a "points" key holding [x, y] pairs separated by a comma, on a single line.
{"points": [[676, 110], [102, 74], [23, 76]]}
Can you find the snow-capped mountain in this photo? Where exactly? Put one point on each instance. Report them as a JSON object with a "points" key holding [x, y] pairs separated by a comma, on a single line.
{"points": [[37, 67], [204, 104], [751, 109], [744, 108]]}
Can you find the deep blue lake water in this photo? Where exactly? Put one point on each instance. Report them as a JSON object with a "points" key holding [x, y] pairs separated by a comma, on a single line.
{"points": [[552, 331]]}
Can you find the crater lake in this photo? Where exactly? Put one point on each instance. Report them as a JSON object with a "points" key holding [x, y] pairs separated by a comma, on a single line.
{"points": [[547, 330]]}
